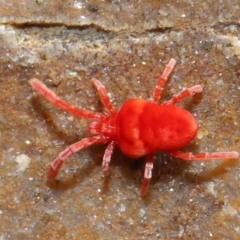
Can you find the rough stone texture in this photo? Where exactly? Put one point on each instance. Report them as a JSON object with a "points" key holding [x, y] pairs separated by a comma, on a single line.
{"points": [[186, 200], [116, 15]]}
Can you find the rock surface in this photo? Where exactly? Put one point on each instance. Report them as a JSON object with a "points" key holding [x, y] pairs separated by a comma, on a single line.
{"points": [[126, 45]]}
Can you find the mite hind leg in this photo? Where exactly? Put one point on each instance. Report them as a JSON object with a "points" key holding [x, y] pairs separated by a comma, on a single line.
{"points": [[184, 94], [147, 174], [162, 80], [205, 155]]}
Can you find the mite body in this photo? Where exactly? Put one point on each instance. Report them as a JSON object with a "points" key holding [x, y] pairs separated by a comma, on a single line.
{"points": [[143, 127], [139, 127]]}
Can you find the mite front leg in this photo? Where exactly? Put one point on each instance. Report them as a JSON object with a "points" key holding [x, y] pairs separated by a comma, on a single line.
{"points": [[184, 94], [107, 158], [162, 80], [147, 174], [206, 156], [103, 95], [60, 103], [63, 156]]}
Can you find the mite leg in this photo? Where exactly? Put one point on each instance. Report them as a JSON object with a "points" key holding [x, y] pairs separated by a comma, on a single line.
{"points": [[184, 94], [60, 103], [63, 156], [147, 174], [162, 80], [206, 156], [107, 158], [103, 95]]}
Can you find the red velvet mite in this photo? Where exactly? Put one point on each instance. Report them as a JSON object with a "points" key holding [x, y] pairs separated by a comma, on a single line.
{"points": [[139, 127]]}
